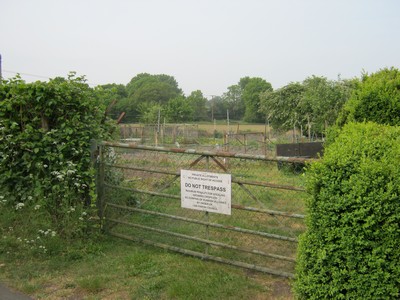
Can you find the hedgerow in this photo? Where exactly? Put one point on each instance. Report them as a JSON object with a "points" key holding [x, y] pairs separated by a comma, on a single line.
{"points": [[45, 160], [376, 99], [351, 248]]}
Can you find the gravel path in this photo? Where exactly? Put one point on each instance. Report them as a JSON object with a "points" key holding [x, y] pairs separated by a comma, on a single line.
{"points": [[9, 294]]}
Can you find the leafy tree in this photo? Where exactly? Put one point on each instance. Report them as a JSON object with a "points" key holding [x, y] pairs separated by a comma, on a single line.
{"points": [[234, 101], [197, 102], [179, 109], [376, 98], [251, 97], [110, 95], [281, 105], [322, 101], [217, 108], [243, 82], [149, 89], [316, 101], [149, 112]]}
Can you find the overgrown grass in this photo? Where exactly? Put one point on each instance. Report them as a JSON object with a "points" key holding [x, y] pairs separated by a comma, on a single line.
{"points": [[117, 269]]}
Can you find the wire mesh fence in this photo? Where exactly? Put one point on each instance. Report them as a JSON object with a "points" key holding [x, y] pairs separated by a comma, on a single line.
{"points": [[140, 192], [248, 141]]}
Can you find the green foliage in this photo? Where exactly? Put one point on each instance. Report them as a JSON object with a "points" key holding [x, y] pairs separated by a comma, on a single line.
{"points": [[253, 87], [316, 102], [111, 95], [145, 91], [45, 134], [234, 102], [217, 107], [376, 99], [179, 110], [351, 247], [280, 106], [197, 103], [322, 101]]}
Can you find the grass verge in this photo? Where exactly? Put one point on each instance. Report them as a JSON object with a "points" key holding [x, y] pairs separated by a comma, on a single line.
{"points": [[115, 269]]}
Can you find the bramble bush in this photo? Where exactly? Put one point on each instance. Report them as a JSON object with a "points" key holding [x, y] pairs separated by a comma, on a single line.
{"points": [[351, 247], [47, 181]]}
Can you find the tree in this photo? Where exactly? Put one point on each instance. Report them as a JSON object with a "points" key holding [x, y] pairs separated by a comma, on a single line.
{"points": [[198, 105], [110, 95], [376, 98], [217, 108], [234, 101], [315, 102], [281, 106], [251, 97], [145, 91], [179, 110], [322, 101]]}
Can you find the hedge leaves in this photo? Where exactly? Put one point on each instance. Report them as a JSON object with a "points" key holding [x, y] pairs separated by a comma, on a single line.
{"points": [[351, 249]]}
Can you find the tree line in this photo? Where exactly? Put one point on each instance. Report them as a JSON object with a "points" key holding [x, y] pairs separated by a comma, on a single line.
{"points": [[313, 104]]}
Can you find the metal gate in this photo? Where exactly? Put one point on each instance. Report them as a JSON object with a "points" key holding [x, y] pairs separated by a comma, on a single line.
{"points": [[139, 198]]}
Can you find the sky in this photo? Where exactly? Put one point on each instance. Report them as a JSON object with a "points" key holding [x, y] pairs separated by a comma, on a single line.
{"points": [[206, 45]]}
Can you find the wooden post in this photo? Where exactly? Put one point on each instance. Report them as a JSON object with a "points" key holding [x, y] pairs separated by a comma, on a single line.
{"points": [[227, 118]]}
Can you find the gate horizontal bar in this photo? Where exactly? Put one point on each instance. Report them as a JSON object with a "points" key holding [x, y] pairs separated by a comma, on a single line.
{"points": [[142, 191], [205, 256], [235, 206], [209, 242], [268, 211], [215, 225], [234, 180], [206, 153]]}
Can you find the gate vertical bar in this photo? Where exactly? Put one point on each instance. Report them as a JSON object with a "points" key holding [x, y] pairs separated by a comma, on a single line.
{"points": [[101, 188], [207, 215]]}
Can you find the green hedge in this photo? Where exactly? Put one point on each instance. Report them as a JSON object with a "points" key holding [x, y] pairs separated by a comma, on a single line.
{"points": [[376, 99], [45, 133], [351, 249]]}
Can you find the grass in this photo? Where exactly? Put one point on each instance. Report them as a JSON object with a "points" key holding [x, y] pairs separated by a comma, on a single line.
{"points": [[124, 270]]}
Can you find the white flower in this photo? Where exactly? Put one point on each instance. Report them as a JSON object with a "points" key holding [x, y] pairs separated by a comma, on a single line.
{"points": [[72, 208], [20, 205], [84, 213], [37, 206], [53, 233], [45, 166]]}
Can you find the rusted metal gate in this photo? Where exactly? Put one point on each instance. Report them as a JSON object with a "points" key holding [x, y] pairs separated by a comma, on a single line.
{"points": [[139, 193]]}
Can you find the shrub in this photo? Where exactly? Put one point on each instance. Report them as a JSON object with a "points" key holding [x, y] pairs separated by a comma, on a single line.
{"points": [[45, 134], [376, 99], [351, 247]]}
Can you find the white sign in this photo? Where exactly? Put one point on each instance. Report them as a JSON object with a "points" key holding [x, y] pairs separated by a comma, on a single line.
{"points": [[206, 191]]}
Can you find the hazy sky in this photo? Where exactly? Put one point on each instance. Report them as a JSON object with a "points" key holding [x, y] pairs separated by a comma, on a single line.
{"points": [[205, 44]]}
